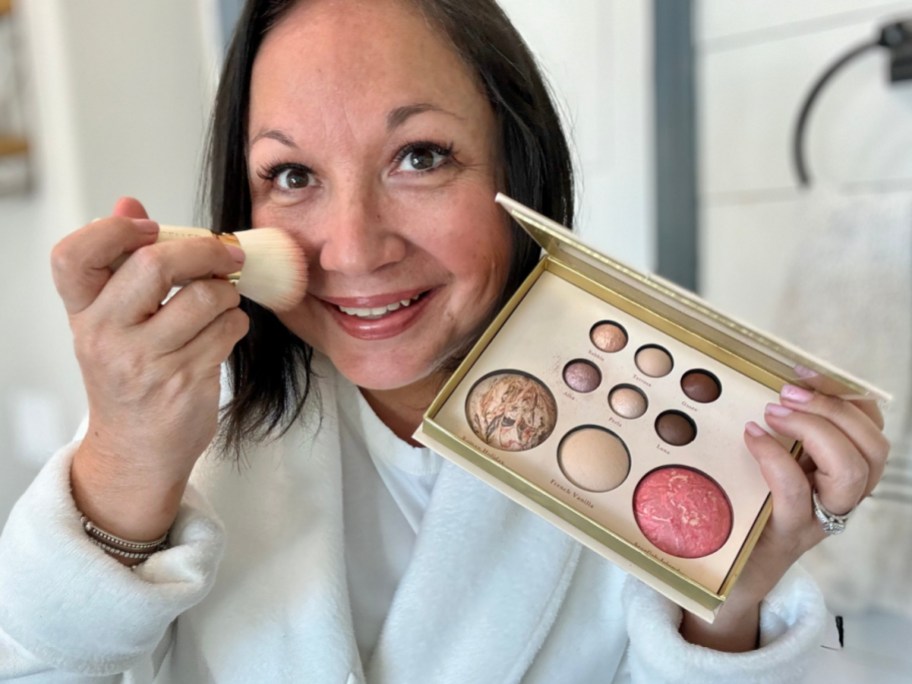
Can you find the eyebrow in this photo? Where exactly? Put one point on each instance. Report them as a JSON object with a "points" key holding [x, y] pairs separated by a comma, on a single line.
{"points": [[400, 115], [394, 119], [274, 135]]}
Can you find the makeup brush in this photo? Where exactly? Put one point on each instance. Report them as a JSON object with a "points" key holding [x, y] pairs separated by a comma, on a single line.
{"points": [[274, 273]]}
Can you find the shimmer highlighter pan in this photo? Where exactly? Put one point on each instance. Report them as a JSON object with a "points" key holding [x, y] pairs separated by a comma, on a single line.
{"points": [[625, 428]]}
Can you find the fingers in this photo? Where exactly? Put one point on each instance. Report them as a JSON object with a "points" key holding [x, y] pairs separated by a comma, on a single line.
{"points": [[844, 450], [788, 483], [130, 208], [824, 385], [837, 421], [81, 262], [212, 345], [148, 275], [190, 311]]}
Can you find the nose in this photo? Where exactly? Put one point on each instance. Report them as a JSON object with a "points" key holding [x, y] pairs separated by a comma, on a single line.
{"points": [[358, 239]]}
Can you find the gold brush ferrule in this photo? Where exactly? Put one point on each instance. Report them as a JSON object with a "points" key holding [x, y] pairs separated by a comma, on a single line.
{"points": [[230, 239]]}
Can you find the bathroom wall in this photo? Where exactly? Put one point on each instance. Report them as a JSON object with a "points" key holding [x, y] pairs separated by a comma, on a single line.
{"points": [[764, 257], [756, 60]]}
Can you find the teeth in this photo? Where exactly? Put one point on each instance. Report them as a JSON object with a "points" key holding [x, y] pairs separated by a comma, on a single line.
{"points": [[377, 312]]}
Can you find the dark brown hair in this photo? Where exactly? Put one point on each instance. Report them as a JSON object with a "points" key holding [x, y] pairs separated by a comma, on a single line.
{"points": [[270, 368]]}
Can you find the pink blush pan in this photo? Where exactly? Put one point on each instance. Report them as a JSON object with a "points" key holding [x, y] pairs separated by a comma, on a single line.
{"points": [[682, 512]]}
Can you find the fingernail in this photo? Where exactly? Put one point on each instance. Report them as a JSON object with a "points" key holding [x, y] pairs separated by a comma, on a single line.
{"points": [[755, 430], [236, 253], [796, 394], [147, 226], [778, 410], [805, 372]]}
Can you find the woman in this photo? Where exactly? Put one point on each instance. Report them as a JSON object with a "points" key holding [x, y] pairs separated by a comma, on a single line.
{"points": [[377, 132]]}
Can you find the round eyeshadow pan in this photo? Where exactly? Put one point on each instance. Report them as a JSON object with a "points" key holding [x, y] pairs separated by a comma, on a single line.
{"points": [[701, 385], [682, 511], [511, 410], [654, 361], [608, 336], [582, 375], [627, 401], [593, 458], [675, 428]]}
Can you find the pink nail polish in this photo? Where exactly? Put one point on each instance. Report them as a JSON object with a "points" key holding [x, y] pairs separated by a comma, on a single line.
{"points": [[797, 394], [805, 372], [778, 410], [755, 430]]}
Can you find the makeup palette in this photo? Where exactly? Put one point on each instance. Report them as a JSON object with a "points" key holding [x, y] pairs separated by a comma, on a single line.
{"points": [[613, 404]]}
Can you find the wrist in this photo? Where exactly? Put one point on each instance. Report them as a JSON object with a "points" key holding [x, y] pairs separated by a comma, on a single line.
{"points": [[736, 628], [123, 500]]}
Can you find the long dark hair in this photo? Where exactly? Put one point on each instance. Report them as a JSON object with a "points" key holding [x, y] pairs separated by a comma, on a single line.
{"points": [[271, 367]]}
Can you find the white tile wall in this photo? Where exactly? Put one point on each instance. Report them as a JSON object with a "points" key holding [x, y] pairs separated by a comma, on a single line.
{"points": [[860, 129], [598, 59], [756, 59], [750, 19]]}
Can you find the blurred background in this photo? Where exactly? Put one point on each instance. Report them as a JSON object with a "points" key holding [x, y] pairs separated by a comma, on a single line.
{"points": [[683, 115]]}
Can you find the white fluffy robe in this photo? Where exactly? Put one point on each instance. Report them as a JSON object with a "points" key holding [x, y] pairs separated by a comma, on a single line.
{"points": [[492, 594]]}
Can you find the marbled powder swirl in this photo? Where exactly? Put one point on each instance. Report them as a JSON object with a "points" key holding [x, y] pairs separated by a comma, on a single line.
{"points": [[512, 411]]}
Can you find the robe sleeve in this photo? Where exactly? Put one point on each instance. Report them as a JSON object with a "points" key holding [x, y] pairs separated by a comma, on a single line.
{"points": [[792, 624], [67, 608]]}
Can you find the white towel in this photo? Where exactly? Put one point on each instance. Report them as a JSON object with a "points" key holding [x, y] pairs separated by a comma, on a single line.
{"points": [[849, 301]]}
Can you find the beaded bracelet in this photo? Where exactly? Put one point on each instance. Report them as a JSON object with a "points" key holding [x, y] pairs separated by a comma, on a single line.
{"points": [[124, 548]]}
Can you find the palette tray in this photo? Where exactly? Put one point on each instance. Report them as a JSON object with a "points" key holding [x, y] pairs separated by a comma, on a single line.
{"points": [[615, 408]]}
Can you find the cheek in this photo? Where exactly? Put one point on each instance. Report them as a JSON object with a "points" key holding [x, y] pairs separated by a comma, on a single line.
{"points": [[479, 246]]}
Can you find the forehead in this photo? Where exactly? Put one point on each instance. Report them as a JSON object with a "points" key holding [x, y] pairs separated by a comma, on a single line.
{"points": [[358, 54]]}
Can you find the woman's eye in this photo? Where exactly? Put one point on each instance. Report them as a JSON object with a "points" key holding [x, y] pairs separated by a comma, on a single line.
{"points": [[423, 158], [292, 178]]}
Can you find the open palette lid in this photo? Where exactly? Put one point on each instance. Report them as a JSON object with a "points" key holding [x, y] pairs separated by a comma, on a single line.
{"points": [[686, 309]]}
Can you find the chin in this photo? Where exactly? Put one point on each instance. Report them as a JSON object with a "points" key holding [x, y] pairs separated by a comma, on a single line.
{"points": [[382, 376]]}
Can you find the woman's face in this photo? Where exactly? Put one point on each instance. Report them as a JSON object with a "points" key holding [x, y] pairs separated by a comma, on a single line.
{"points": [[371, 142]]}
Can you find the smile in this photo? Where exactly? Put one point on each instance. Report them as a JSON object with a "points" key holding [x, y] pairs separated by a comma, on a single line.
{"points": [[380, 311], [383, 318]]}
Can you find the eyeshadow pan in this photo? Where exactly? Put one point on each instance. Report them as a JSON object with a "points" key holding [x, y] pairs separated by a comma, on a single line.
{"points": [[701, 385], [682, 511], [582, 375], [654, 361], [593, 458], [627, 401], [511, 410], [608, 336], [675, 428]]}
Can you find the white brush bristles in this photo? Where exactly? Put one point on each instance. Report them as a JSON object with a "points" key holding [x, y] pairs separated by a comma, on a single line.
{"points": [[274, 273]]}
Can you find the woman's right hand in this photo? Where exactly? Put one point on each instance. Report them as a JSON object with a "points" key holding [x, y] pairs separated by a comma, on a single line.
{"points": [[151, 372]]}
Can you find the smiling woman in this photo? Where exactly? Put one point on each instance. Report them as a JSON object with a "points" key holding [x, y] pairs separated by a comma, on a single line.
{"points": [[385, 199], [383, 156], [331, 548]]}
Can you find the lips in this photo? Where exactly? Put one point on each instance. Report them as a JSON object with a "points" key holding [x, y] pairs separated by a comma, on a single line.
{"points": [[380, 317]]}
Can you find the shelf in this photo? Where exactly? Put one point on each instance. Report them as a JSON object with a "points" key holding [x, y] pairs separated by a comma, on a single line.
{"points": [[11, 145]]}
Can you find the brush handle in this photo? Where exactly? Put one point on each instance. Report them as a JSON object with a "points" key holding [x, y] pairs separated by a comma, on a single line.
{"points": [[180, 232], [167, 233]]}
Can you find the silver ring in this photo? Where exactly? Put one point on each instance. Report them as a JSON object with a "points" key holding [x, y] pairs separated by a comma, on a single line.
{"points": [[830, 522]]}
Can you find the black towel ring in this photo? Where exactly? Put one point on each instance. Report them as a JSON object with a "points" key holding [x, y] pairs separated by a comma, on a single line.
{"points": [[897, 37]]}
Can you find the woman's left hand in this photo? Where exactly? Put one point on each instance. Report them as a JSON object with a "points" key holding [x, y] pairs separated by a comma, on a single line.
{"points": [[844, 453]]}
